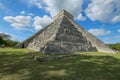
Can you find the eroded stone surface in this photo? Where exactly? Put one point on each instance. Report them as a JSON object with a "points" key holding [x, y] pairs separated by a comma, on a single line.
{"points": [[64, 36]]}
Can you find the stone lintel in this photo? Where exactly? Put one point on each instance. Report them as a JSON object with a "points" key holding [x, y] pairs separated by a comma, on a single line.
{"points": [[63, 13]]}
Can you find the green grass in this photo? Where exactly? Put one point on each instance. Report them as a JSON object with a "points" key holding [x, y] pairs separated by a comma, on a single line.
{"points": [[16, 64]]}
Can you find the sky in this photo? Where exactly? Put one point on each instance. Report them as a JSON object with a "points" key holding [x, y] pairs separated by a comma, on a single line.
{"points": [[23, 18]]}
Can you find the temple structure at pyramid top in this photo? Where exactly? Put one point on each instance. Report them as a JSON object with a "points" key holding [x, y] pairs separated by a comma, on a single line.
{"points": [[63, 36], [63, 13]]}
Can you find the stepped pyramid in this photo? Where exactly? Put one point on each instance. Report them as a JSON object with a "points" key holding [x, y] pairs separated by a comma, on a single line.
{"points": [[63, 35]]}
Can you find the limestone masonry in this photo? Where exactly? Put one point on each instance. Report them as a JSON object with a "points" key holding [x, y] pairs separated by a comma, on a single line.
{"points": [[63, 35]]}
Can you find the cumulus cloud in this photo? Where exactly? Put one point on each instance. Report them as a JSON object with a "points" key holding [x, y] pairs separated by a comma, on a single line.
{"points": [[18, 21], [72, 6], [40, 22], [118, 30], [104, 10], [55, 6], [99, 32], [116, 19], [22, 12], [36, 3], [23, 22], [80, 17]]}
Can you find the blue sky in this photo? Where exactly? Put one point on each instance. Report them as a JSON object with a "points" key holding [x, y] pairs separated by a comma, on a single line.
{"points": [[22, 18]]}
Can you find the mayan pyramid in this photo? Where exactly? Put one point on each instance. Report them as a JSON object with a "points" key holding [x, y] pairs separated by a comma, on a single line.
{"points": [[63, 35]]}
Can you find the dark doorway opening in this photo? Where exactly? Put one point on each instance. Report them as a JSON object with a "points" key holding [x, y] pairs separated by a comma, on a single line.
{"points": [[23, 46]]}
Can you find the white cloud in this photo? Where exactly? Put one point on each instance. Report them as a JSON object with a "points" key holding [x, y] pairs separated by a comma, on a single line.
{"points": [[99, 32], [55, 6], [72, 6], [18, 21], [36, 2], [40, 22], [22, 12], [7, 36], [80, 17], [118, 30], [104, 10], [23, 22], [116, 19], [31, 14]]}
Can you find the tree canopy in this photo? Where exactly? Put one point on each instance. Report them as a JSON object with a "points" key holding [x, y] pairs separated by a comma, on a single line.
{"points": [[5, 40], [115, 46]]}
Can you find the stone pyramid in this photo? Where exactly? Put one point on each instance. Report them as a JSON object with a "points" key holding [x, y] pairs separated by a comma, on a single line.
{"points": [[63, 35]]}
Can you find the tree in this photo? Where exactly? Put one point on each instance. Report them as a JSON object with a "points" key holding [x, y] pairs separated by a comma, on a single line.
{"points": [[5, 36], [6, 41], [115, 46]]}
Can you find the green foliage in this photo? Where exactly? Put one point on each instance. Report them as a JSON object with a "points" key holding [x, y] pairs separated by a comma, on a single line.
{"points": [[115, 46], [16, 64], [2, 41], [5, 36], [11, 43], [8, 43]]}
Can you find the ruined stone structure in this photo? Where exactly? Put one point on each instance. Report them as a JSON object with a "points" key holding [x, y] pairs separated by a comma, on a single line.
{"points": [[63, 35]]}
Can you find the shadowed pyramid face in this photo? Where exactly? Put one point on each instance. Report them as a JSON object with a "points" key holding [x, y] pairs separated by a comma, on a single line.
{"points": [[64, 36]]}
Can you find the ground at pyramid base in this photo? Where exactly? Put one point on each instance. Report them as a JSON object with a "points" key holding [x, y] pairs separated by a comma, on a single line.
{"points": [[62, 36]]}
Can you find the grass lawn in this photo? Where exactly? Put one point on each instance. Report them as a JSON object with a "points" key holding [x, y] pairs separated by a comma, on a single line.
{"points": [[16, 64]]}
